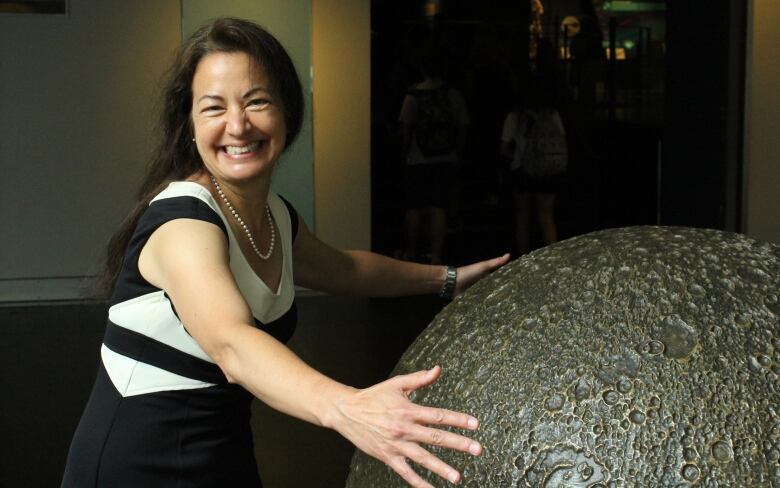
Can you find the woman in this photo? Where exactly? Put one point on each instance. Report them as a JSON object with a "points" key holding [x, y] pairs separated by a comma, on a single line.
{"points": [[202, 275], [534, 141], [433, 122]]}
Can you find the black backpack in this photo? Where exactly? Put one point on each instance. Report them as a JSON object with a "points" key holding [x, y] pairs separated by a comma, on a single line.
{"points": [[435, 129], [546, 153]]}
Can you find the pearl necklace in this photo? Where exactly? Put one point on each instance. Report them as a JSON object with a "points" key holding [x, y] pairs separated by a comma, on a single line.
{"points": [[246, 227]]}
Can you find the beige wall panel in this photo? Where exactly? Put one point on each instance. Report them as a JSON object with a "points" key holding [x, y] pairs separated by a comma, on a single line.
{"points": [[762, 123], [342, 121]]}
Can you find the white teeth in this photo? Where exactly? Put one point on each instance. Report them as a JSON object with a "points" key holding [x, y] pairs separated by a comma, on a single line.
{"points": [[235, 150]]}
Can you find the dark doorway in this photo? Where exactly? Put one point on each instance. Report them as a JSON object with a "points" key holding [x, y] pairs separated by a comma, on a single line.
{"points": [[702, 155], [650, 94]]}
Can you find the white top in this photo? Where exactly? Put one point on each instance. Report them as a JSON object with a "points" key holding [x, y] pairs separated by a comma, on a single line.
{"points": [[152, 313]]}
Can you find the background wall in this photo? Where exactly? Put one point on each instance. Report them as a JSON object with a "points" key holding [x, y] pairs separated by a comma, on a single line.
{"points": [[762, 121], [77, 103], [290, 22], [341, 52]]}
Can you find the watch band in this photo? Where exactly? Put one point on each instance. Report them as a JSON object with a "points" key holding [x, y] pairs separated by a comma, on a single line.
{"points": [[448, 289]]}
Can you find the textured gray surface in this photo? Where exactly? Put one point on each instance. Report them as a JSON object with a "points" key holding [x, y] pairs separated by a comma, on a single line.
{"points": [[630, 357]]}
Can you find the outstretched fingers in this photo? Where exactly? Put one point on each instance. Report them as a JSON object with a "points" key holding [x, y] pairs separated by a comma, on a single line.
{"points": [[423, 416], [400, 466], [420, 379], [433, 464], [478, 270], [497, 262], [468, 275], [445, 439], [400, 426], [442, 416]]}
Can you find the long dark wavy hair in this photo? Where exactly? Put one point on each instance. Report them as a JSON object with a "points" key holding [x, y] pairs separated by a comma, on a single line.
{"points": [[176, 157]]}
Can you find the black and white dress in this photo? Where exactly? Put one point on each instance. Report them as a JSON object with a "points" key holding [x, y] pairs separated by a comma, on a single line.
{"points": [[161, 413]]}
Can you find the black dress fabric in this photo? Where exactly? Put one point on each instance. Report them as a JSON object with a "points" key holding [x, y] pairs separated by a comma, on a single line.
{"points": [[161, 413]]}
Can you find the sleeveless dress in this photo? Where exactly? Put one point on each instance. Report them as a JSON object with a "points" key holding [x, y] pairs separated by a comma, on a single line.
{"points": [[161, 412]]}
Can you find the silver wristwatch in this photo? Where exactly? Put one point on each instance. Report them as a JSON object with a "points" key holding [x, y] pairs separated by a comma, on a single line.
{"points": [[448, 290]]}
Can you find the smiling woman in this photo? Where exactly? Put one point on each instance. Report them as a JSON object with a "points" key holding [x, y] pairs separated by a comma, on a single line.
{"points": [[202, 277], [237, 119]]}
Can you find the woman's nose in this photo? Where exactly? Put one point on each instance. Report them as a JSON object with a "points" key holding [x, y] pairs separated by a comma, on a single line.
{"points": [[237, 122]]}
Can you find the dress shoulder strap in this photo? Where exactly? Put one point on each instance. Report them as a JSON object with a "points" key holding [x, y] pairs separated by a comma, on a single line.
{"points": [[293, 217]]}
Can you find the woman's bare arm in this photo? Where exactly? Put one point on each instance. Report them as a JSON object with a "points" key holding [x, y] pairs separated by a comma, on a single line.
{"points": [[321, 267], [189, 260]]}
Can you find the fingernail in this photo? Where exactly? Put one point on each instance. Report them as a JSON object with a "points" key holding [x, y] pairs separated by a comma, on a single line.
{"points": [[454, 477], [473, 423], [475, 448]]}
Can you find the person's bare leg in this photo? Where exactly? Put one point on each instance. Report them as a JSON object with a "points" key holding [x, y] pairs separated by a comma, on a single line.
{"points": [[411, 233], [545, 208], [522, 221], [438, 231]]}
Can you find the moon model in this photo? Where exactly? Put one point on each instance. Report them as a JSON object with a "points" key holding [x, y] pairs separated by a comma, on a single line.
{"points": [[643, 356]]}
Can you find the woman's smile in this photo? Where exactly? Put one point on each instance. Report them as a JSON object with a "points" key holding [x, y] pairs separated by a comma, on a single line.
{"points": [[243, 150]]}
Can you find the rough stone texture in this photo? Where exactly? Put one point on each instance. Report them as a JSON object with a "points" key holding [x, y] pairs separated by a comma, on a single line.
{"points": [[630, 357]]}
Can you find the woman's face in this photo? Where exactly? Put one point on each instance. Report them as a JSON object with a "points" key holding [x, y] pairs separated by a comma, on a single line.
{"points": [[238, 121]]}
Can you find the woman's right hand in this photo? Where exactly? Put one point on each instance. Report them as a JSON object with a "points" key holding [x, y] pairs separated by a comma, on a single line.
{"points": [[382, 422]]}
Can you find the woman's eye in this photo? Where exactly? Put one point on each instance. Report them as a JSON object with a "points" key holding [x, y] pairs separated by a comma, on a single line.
{"points": [[211, 109], [259, 102]]}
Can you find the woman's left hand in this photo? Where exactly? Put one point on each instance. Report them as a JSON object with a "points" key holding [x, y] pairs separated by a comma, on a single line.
{"points": [[470, 274]]}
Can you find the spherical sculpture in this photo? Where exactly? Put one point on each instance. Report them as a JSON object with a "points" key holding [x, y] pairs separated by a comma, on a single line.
{"points": [[630, 357]]}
